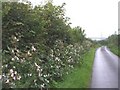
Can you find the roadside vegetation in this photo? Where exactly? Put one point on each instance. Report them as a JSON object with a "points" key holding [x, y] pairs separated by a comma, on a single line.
{"points": [[113, 42], [40, 47], [80, 76]]}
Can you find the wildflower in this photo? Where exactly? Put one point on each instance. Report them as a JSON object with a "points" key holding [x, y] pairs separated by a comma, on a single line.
{"points": [[47, 80], [7, 81], [30, 74], [15, 72], [33, 48], [19, 77], [12, 75], [51, 55], [12, 59], [39, 74], [43, 85], [37, 65], [35, 80], [69, 60], [6, 65], [38, 69], [57, 67], [44, 75], [16, 58], [57, 59], [41, 70], [13, 66], [11, 70], [0, 76], [17, 40], [51, 66], [29, 53], [17, 50], [12, 51]]}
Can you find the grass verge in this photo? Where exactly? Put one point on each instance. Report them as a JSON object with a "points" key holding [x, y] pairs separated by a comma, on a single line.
{"points": [[80, 76], [115, 50]]}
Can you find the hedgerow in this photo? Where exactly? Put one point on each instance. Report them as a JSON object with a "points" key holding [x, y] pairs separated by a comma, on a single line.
{"points": [[39, 45]]}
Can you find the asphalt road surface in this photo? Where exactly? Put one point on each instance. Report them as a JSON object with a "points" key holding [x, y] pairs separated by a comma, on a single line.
{"points": [[105, 69]]}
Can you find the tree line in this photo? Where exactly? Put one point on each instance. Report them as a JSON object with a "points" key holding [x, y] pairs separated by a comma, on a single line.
{"points": [[113, 42]]}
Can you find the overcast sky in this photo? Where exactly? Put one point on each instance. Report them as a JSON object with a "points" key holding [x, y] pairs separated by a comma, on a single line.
{"points": [[97, 17]]}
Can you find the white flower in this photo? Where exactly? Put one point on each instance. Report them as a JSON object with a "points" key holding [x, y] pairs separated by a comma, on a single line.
{"points": [[12, 51], [57, 67], [43, 75], [30, 74], [16, 57], [57, 59], [14, 78], [48, 74], [17, 50], [13, 66], [57, 49], [51, 55], [36, 64], [47, 80], [11, 70], [19, 77], [38, 69], [43, 85], [70, 57], [0, 76], [12, 75], [51, 66], [12, 59], [39, 74], [15, 38], [41, 70], [35, 80], [69, 60], [33, 48], [7, 81], [6, 65], [15, 72], [29, 53]]}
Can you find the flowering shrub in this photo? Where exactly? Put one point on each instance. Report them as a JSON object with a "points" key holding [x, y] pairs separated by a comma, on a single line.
{"points": [[41, 70], [40, 51]]}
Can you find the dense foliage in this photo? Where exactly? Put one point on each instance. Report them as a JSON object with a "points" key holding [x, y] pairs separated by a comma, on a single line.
{"points": [[113, 42], [39, 46]]}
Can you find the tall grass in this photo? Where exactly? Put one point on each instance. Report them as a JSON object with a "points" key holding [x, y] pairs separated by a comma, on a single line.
{"points": [[115, 50]]}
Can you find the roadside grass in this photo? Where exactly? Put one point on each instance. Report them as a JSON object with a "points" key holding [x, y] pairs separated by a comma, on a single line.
{"points": [[80, 77], [115, 50]]}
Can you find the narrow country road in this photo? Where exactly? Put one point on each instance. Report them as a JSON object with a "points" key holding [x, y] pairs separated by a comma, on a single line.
{"points": [[105, 69]]}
